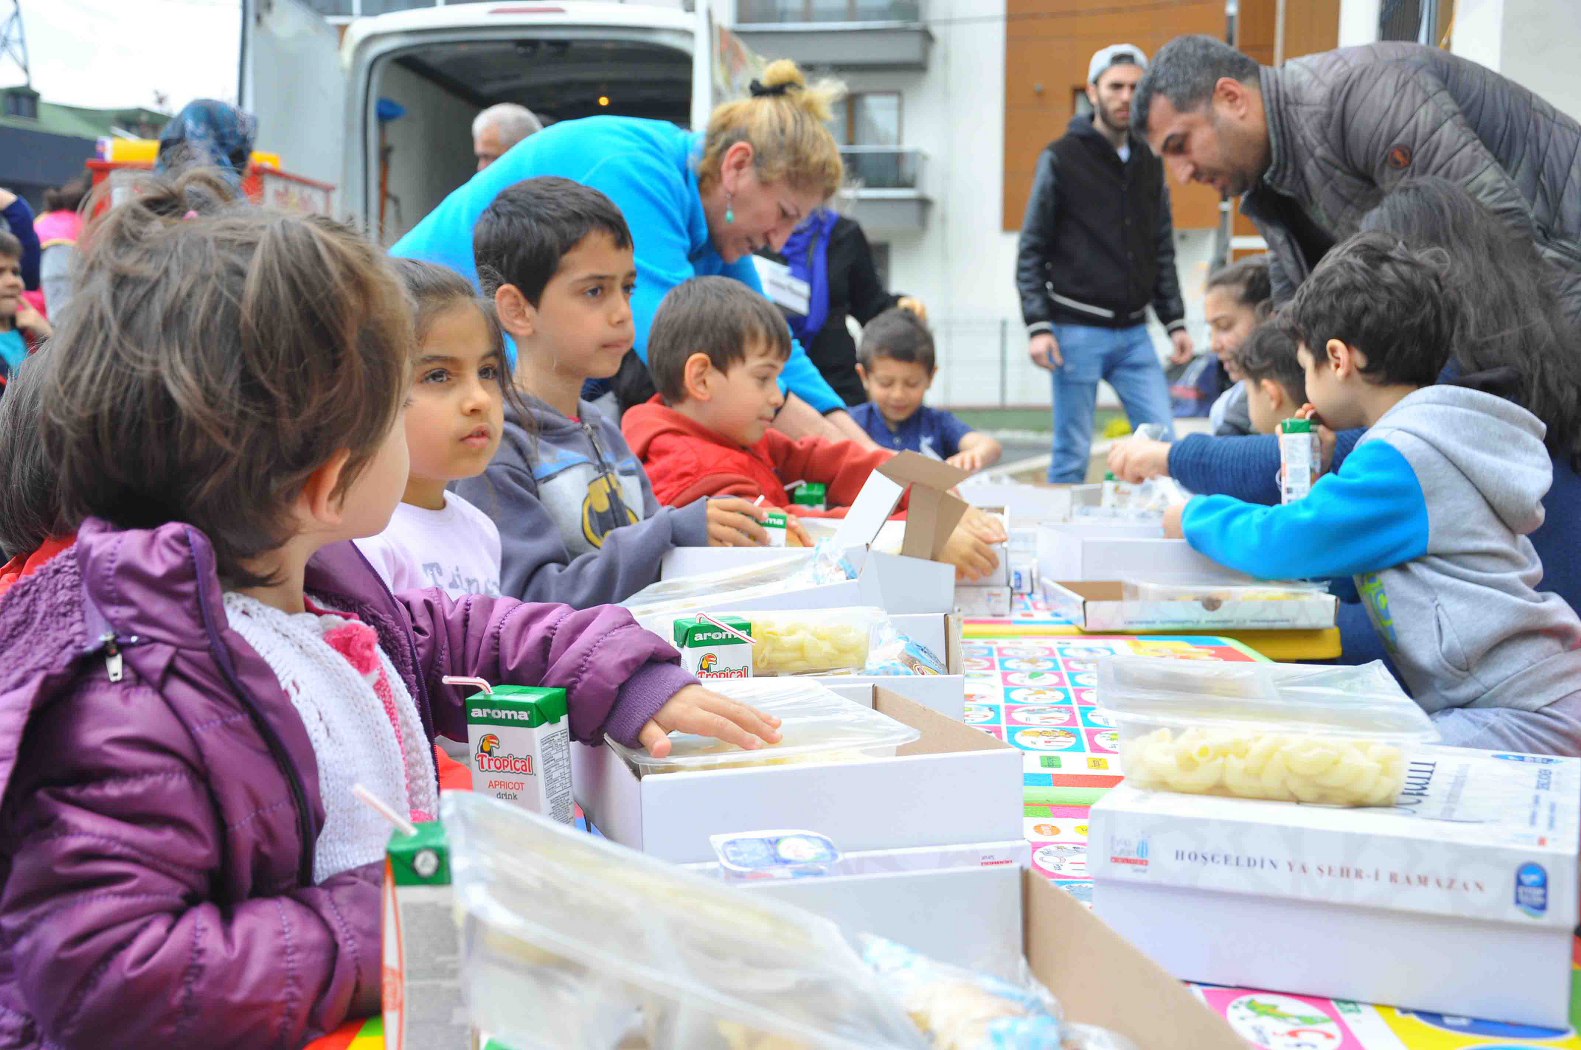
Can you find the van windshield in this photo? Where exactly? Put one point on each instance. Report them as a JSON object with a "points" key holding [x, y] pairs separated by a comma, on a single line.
{"points": [[427, 151]]}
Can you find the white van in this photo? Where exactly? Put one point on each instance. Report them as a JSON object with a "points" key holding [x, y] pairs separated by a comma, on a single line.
{"points": [[323, 95]]}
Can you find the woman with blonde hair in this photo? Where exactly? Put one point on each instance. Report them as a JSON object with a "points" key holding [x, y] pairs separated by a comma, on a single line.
{"points": [[698, 203]]}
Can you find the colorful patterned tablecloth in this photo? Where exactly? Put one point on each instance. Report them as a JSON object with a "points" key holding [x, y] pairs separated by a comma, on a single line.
{"points": [[1035, 692]]}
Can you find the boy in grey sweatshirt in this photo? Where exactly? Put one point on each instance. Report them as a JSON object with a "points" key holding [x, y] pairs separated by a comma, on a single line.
{"points": [[577, 518], [1429, 514]]}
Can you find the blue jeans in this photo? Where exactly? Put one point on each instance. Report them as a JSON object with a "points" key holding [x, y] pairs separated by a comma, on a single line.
{"points": [[1123, 356]]}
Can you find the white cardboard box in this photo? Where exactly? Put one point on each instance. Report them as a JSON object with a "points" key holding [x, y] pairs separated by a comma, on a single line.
{"points": [[1032, 503], [892, 582], [987, 602], [944, 693], [1100, 605], [700, 561], [1460, 899], [953, 785], [1115, 551], [991, 918]]}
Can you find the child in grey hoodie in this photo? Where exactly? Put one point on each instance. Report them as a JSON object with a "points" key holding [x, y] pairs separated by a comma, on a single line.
{"points": [[578, 521], [1429, 514]]}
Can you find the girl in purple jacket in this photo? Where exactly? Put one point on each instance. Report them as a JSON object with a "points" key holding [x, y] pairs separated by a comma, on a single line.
{"points": [[189, 693]]}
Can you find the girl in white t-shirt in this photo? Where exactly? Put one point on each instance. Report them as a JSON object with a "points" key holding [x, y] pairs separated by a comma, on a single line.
{"points": [[454, 418]]}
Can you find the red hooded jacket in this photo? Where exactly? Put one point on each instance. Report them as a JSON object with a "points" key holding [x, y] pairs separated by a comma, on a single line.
{"points": [[686, 461]]}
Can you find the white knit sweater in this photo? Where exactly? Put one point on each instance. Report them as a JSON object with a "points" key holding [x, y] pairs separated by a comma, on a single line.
{"points": [[353, 738]]}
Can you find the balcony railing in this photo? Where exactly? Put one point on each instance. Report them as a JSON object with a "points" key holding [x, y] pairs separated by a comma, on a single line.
{"points": [[811, 11], [882, 167]]}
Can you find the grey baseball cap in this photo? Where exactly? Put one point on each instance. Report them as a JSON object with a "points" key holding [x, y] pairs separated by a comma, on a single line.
{"points": [[1114, 54]]}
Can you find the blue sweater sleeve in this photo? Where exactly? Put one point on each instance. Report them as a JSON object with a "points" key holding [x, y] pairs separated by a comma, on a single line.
{"points": [[19, 217], [1370, 517], [1246, 468]]}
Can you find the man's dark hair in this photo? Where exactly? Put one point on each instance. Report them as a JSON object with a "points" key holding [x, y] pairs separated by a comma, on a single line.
{"points": [[717, 316], [522, 236], [1270, 353], [899, 335], [1384, 299], [1185, 72], [10, 247]]}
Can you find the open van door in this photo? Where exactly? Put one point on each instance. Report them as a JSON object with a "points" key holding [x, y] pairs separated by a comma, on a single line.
{"points": [[728, 71], [292, 80]]}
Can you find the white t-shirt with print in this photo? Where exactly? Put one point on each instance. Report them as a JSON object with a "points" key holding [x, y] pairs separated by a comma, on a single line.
{"points": [[456, 549]]}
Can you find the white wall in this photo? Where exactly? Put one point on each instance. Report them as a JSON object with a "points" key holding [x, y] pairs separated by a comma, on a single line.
{"points": [[1533, 42]]}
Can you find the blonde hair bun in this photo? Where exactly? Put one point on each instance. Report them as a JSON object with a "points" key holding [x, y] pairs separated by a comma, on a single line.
{"points": [[785, 121]]}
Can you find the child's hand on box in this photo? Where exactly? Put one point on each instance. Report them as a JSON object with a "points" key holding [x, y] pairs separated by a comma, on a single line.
{"points": [[735, 522], [796, 532], [972, 556], [1173, 529], [970, 460], [706, 713], [1139, 459], [989, 528]]}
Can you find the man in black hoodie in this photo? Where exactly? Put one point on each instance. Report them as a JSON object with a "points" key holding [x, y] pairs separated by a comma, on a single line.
{"points": [[1097, 248]]}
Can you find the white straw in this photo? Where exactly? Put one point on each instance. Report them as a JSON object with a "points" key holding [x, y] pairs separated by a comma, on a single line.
{"points": [[379, 806], [726, 628], [461, 679]]}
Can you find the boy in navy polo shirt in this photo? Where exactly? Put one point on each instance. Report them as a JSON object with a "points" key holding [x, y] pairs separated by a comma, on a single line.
{"points": [[897, 366]]}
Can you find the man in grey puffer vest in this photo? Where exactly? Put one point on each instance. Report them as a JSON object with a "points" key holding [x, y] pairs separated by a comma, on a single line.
{"points": [[1316, 143]]}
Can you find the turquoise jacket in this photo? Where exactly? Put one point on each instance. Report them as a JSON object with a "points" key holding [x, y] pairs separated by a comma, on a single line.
{"points": [[647, 168]]}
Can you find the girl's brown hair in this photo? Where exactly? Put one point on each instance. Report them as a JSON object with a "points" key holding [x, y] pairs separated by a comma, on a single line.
{"points": [[211, 363], [787, 127], [432, 289]]}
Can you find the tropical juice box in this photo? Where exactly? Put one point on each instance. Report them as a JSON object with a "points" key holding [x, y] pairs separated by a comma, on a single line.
{"points": [[708, 651], [520, 742], [777, 525], [423, 1005]]}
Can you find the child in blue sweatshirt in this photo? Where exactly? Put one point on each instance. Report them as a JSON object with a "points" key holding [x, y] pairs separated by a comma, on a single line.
{"points": [[1429, 513]]}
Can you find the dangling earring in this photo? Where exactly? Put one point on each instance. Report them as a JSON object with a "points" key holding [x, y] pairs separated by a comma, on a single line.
{"points": [[730, 208]]}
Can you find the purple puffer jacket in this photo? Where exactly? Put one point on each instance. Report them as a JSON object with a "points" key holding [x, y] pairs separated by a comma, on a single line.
{"points": [[157, 825]]}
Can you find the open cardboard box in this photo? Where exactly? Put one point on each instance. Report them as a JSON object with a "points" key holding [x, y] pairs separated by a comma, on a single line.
{"points": [[955, 784], [1112, 551], [1096, 975], [913, 581], [1100, 605], [1033, 503], [700, 561], [944, 693]]}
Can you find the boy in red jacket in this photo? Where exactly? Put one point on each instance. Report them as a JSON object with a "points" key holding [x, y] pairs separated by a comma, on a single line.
{"points": [[716, 350]]}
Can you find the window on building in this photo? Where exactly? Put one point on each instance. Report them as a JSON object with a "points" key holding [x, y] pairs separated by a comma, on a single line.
{"points": [[872, 118]]}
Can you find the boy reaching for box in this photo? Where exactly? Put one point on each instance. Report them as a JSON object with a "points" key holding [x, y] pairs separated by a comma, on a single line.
{"points": [[715, 351], [897, 366], [1430, 513]]}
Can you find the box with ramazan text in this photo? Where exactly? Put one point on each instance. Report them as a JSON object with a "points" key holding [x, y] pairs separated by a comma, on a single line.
{"points": [[1476, 860]]}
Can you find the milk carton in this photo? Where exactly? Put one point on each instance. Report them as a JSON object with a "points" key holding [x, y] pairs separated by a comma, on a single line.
{"points": [[520, 744], [1300, 459], [423, 1007], [709, 650]]}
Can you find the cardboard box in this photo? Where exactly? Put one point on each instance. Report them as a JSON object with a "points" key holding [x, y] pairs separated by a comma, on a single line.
{"points": [[1100, 605], [1032, 503], [991, 602], [702, 561], [890, 582], [1460, 899], [953, 785], [1116, 550], [944, 693], [931, 515], [1016, 853], [989, 919]]}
